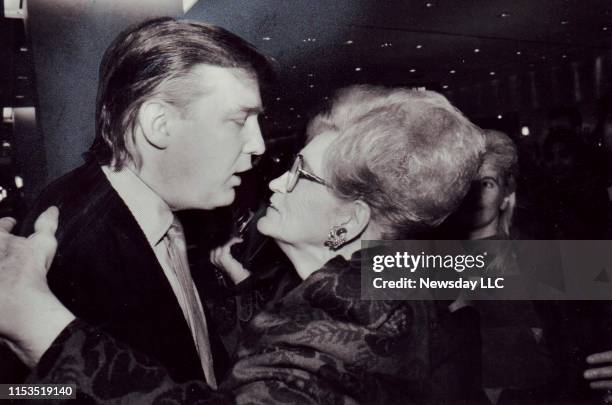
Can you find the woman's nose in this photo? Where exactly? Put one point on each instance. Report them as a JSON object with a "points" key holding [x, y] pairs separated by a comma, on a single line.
{"points": [[278, 185]]}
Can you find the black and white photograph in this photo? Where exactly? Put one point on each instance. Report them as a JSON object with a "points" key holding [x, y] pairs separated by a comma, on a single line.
{"points": [[195, 195]]}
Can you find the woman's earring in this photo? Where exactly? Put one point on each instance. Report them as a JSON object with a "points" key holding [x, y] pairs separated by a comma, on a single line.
{"points": [[336, 237]]}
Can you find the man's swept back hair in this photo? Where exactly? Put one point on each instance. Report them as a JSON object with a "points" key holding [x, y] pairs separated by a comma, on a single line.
{"points": [[156, 59]]}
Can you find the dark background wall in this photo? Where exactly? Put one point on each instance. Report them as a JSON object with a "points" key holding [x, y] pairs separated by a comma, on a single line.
{"points": [[68, 40]]}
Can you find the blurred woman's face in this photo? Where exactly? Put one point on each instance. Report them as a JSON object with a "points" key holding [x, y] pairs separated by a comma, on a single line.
{"points": [[304, 215], [488, 198]]}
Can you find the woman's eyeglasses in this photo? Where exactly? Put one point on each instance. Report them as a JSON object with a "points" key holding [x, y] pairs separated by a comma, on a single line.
{"points": [[297, 171]]}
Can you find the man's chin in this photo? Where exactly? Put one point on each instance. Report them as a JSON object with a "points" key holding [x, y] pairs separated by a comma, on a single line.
{"points": [[222, 199]]}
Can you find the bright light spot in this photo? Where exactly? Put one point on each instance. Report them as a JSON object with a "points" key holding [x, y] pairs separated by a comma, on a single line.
{"points": [[499, 116], [504, 15], [23, 49], [419, 46], [476, 50], [429, 5], [357, 69], [278, 99], [445, 86], [492, 73], [564, 22], [349, 42], [266, 38], [525, 131], [518, 52], [412, 70], [188, 4], [452, 72], [18, 182], [7, 114], [6, 144], [311, 86], [564, 56], [605, 28]]}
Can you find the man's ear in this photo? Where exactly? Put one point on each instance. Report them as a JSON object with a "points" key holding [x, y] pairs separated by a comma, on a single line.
{"points": [[360, 215], [153, 117]]}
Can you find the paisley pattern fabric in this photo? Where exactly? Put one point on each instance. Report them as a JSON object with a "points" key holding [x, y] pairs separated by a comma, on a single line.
{"points": [[320, 344]]}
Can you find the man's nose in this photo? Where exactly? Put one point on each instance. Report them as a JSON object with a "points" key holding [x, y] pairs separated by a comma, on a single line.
{"points": [[255, 144]]}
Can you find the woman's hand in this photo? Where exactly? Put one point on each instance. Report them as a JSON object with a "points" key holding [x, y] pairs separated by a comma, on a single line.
{"points": [[31, 317], [600, 375], [223, 259]]}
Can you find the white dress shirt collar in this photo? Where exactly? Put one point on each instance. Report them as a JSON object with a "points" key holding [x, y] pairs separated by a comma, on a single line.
{"points": [[152, 214]]}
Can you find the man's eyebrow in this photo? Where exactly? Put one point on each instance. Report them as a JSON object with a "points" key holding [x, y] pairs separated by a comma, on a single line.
{"points": [[248, 109]]}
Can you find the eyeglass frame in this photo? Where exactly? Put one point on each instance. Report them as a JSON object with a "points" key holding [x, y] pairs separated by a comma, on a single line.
{"points": [[297, 170]]}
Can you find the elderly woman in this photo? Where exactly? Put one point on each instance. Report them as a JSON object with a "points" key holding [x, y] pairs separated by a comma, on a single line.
{"points": [[380, 164]]}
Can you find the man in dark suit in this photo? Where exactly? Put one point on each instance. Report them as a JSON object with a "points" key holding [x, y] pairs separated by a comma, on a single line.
{"points": [[176, 113]]}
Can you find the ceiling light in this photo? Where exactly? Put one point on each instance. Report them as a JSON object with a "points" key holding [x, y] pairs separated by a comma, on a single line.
{"points": [[7, 114], [518, 52], [18, 181], [266, 38], [349, 42], [23, 49], [412, 70], [445, 86], [476, 50], [419, 46], [429, 5], [499, 117], [492, 73], [311, 86], [6, 144], [452, 72], [525, 130], [357, 69]]}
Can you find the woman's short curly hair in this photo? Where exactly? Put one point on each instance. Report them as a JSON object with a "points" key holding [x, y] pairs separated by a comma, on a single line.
{"points": [[409, 154]]}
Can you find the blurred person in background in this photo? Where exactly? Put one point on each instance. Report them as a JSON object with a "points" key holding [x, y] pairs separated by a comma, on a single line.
{"points": [[515, 362]]}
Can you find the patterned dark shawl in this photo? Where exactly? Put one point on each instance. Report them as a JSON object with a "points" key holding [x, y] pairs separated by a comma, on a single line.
{"points": [[321, 344]]}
